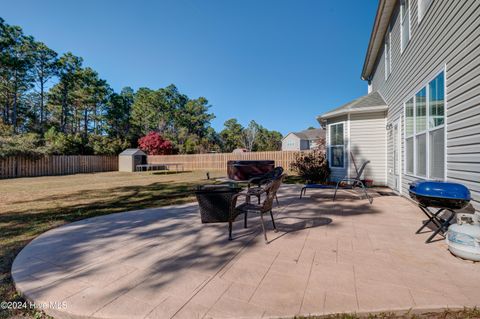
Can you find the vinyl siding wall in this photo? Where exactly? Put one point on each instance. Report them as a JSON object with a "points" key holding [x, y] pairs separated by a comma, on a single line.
{"points": [[291, 143], [447, 37], [368, 142]]}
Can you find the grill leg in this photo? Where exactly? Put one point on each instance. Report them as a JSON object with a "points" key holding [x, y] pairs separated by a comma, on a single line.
{"points": [[230, 230], [245, 221], [443, 226], [432, 218]]}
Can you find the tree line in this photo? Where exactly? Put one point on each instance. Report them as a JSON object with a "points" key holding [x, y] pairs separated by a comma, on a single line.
{"points": [[54, 104]]}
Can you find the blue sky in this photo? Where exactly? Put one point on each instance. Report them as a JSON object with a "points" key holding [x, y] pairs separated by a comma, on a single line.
{"points": [[278, 62]]}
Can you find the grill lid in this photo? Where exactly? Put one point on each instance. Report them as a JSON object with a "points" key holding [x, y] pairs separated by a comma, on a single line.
{"points": [[444, 190]]}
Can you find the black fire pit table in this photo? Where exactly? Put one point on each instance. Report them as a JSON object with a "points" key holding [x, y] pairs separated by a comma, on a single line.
{"points": [[445, 196], [215, 201]]}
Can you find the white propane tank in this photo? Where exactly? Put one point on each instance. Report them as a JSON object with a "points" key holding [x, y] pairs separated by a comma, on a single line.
{"points": [[463, 240]]}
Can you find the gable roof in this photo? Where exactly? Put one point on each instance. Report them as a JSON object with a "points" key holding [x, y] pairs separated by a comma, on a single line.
{"points": [[372, 102], [312, 134], [131, 152], [382, 20]]}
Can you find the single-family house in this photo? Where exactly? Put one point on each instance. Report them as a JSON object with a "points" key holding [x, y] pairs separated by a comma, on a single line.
{"points": [[421, 116], [304, 140]]}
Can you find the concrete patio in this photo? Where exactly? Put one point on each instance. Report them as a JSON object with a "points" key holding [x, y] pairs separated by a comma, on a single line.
{"points": [[327, 257]]}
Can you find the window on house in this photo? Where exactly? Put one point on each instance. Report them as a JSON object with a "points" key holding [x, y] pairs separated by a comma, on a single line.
{"points": [[420, 134], [404, 23], [437, 102], [421, 110], [421, 155], [436, 122], [337, 146], [388, 53], [423, 6], [425, 131]]}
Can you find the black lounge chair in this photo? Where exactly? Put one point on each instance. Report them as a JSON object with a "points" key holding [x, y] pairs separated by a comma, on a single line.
{"points": [[354, 182], [303, 191]]}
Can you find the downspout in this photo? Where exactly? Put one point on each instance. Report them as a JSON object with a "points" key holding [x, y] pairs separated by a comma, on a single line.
{"points": [[348, 145], [369, 81]]}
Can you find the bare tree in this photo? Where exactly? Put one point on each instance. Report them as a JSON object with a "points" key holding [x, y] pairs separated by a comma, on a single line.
{"points": [[250, 134]]}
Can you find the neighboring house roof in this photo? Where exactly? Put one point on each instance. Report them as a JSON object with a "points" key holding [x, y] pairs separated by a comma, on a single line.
{"points": [[372, 102], [380, 26], [312, 134], [132, 151]]}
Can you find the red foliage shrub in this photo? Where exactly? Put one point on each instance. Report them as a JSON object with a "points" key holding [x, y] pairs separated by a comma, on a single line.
{"points": [[312, 166], [154, 144]]}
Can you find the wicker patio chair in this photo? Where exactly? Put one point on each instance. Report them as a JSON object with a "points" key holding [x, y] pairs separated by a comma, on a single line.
{"points": [[262, 180], [270, 190]]}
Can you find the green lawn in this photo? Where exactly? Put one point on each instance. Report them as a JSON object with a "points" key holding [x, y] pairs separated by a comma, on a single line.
{"points": [[447, 314]]}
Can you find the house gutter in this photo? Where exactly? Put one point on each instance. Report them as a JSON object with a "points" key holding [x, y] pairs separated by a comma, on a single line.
{"points": [[384, 12], [368, 109]]}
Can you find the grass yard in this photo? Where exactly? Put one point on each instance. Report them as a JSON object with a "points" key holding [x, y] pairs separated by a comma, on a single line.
{"points": [[447, 314], [31, 206]]}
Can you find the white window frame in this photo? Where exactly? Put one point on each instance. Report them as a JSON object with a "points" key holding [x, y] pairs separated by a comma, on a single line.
{"points": [[336, 145], [427, 131], [420, 13], [404, 16]]}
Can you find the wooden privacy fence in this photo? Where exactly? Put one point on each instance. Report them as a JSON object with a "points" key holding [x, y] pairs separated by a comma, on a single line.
{"points": [[218, 161], [11, 167]]}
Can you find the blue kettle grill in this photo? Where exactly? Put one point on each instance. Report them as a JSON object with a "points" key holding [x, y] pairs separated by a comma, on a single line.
{"points": [[445, 196]]}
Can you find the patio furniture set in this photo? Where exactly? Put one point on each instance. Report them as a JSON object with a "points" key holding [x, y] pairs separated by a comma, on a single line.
{"points": [[218, 203]]}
